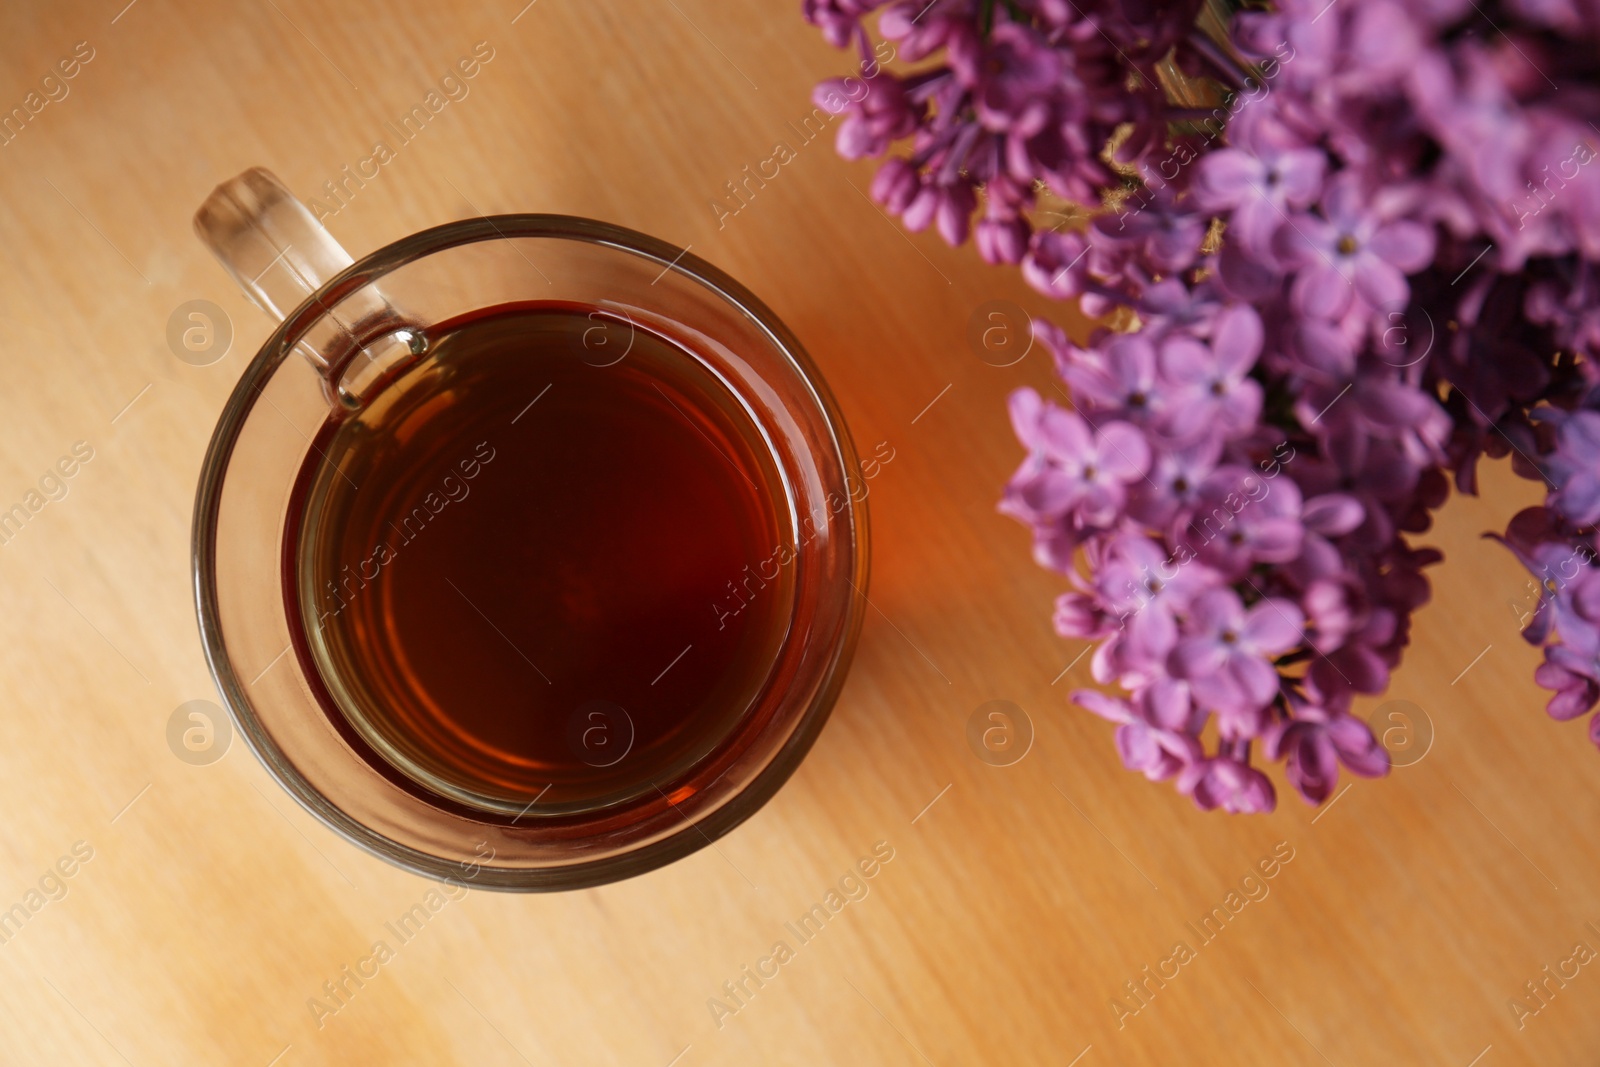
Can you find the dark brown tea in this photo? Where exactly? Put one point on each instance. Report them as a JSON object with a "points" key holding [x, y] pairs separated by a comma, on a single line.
{"points": [[523, 570]]}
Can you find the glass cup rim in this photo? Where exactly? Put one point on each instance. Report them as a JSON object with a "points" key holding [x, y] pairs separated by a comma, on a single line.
{"points": [[277, 348]]}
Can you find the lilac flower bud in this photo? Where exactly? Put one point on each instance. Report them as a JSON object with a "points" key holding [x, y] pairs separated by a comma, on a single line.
{"points": [[1001, 240], [895, 185]]}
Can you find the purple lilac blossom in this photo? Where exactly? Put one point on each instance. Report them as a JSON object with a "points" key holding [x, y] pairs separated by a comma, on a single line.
{"points": [[1408, 279]]}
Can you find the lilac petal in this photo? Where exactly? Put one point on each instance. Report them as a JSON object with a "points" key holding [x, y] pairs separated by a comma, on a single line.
{"points": [[1332, 514], [1282, 736], [1256, 33], [1324, 348], [1321, 291], [1539, 627], [1174, 249], [1304, 240], [1001, 241], [1318, 560], [1196, 781], [1273, 626], [1138, 749], [1579, 499], [895, 184], [1380, 284], [953, 219], [1530, 526], [919, 213], [1300, 173], [1243, 404], [1025, 407], [1187, 421], [1219, 690], [1344, 201], [1054, 339], [1383, 39], [1583, 666], [1313, 767], [1353, 668], [1184, 748], [1077, 615], [1167, 703], [1151, 633], [1044, 495], [1102, 665], [1064, 436], [1577, 633], [1254, 223], [1236, 339], [856, 140], [1357, 748], [1107, 707], [1184, 361], [1580, 433], [1407, 245], [1197, 657], [1386, 474], [1586, 595], [827, 90], [1055, 546], [1277, 540], [1217, 610], [1574, 695], [1241, 721], [1394, 403], [1226, 177], [1254, 677], [1380, 627], [1132, 361], [1055, 264], [1137, 551], [1099, 503], [1124, 452], [1328, 608], [1089, 382], [1244, 276], [1251, 792]]}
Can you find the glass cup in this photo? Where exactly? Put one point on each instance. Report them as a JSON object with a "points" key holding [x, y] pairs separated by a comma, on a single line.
{"points": [[357, 324]]}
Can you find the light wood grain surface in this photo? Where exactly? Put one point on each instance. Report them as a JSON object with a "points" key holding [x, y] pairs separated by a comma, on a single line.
{"points": [[1015, 907]]}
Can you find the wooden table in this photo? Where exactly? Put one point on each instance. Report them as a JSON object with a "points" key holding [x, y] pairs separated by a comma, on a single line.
{"points": [[1019, 900]]}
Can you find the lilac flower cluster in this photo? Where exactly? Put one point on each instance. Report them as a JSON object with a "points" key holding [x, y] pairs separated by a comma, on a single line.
{"points": [[1406, 280], [1236, 577], [1027, 92], [1458, 214]]}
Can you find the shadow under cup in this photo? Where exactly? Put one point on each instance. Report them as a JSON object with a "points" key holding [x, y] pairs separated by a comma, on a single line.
{"points": [[252, 498]]}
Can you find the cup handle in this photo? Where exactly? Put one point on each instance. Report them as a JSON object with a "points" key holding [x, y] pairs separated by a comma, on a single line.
{"points": [[279, 254]]}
